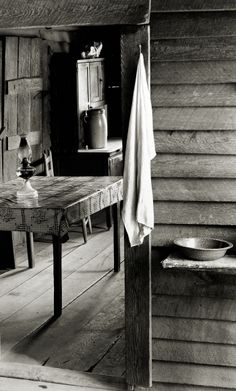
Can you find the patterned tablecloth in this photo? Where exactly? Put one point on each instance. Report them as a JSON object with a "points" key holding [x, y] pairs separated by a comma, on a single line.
{"points": [[61, 202]]}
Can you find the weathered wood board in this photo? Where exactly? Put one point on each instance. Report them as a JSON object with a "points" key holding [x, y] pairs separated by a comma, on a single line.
{"points": [[164, 234], [194, 166], [195, 330], [195, 213], [190, 374], [191, 25], [194, 49], [194, 352], [196, 142], [185, 189], [194, 118], [194, 95], [192, 5], [193, 72], [72, 13]]}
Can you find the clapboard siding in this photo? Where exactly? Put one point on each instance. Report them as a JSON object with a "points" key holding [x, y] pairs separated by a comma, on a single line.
{"points": [[193, 5], [194, 213], [194, 307], [194, 95], [194, 118], [194, 352], [213, 190], [194, 330], [199, 375], [194, 166], [191, 25], [193, 75], [196, 142], [164, 234], [194, 49], [189, 72]]}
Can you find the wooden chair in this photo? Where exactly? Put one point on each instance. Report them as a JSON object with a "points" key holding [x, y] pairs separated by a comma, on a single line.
{"points": [[46, 164]]}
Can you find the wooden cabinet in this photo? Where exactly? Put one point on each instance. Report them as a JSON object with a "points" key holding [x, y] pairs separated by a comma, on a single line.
{"points": [[90, 89], [93, 162]]}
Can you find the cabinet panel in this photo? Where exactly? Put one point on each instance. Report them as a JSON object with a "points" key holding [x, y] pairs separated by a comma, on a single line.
{"points": [[83, 87], [96, 82], [115, 165]]}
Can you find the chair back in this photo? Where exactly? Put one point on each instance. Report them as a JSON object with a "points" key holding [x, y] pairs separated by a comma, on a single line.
{"points": [[48, 163]]}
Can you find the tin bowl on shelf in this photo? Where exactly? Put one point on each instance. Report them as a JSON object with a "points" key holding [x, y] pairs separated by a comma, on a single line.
{"points": [[202, 249]]}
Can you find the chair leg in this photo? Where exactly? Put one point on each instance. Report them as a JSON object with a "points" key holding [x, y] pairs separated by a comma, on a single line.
{"points": [[84, 227], [30, 249], [90, 225]]}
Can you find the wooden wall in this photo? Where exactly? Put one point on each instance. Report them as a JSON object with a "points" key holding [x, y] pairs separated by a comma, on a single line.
{"points": [[193, 330], [193, 74]]}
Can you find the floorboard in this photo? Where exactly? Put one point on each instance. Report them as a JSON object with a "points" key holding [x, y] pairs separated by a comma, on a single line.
{"points": [[89, 336]]}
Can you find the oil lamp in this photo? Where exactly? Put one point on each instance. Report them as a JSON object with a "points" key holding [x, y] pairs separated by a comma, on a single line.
{"points": [[25, 171]]}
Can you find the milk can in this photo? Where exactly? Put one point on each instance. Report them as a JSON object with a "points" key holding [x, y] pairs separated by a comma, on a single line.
{"points": [[96, 128]]}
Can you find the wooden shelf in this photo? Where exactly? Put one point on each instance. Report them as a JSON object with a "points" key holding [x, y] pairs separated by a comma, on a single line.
{"points": [[226, 264]]}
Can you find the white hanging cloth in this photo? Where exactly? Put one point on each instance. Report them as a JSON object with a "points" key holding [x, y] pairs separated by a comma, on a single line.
{"points": [[137, 213]]}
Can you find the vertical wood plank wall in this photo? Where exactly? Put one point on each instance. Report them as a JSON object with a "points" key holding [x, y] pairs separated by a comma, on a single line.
{"points": [[193, 73]]}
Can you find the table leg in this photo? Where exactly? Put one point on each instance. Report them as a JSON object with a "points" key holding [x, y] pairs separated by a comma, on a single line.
{"points": [[30, 248], [57, 275], [116, 235]]}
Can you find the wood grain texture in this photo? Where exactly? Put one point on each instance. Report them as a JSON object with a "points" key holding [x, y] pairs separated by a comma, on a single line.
{"points": [[72, 13], [138, 313], [226, 264], [183, 387], [194, 213], [194, 95], [191, 25], [194, 49], [196, 330], [193, 166], [194, 307], [193, 72], [164, 234], [194, 118], [194, 352], [192, 5], [19, 86], [199, 375], [216, 190], [196, 142]]}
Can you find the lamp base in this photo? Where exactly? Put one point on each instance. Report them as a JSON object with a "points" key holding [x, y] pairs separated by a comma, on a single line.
{"points": [[27, 191]]}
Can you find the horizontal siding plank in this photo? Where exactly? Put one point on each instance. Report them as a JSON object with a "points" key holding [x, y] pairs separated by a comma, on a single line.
{"points": [[194, 352], [202, 213], [195, 330], [194, 307], [163, 235], [193, 166], [213, 190], [186, 283], [196, 142], [22, 13], [183, 387], [191, 25], [183, 118], [194, 49], [199, 375], [194, 95], [192, 5], [189, 72]]}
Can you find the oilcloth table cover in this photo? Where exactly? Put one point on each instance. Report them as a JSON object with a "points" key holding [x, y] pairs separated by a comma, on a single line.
{"points": [[140, 150], [62, 201]]}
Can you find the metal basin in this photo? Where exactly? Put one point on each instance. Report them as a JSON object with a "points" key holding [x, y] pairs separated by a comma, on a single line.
{"points": [[202, 249]]}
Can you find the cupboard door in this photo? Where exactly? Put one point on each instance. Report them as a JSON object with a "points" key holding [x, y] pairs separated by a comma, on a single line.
{"points": [[96, 82], [83, 87]]}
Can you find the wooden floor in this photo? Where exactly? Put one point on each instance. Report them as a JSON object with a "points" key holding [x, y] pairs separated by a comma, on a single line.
{"points": [[89, 336]]}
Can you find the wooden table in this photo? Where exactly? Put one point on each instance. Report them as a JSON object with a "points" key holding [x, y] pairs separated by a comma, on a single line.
{"points": [[62, 201]]}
